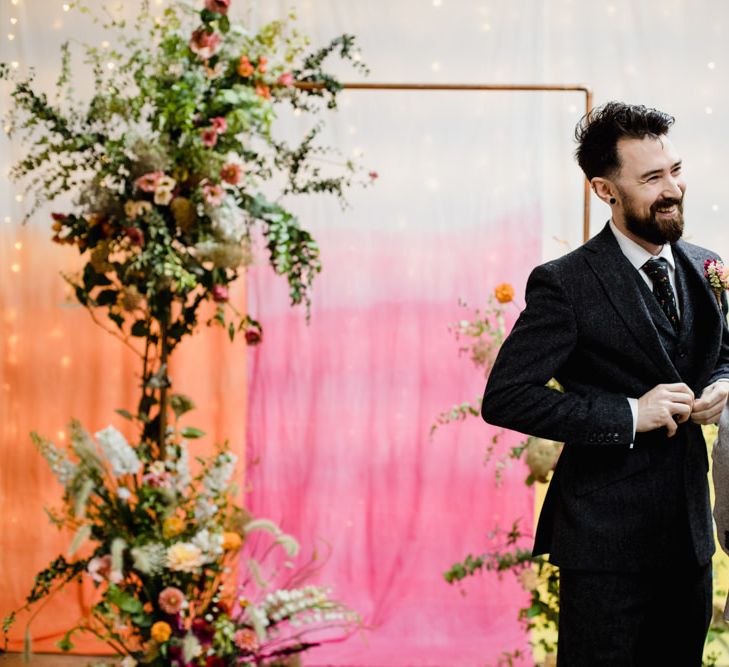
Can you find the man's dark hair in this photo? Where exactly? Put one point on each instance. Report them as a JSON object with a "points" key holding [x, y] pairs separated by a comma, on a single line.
{"points": [[599, 130]]}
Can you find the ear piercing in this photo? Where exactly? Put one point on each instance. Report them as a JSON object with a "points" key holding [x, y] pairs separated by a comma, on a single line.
{"points": [[613, 200]]}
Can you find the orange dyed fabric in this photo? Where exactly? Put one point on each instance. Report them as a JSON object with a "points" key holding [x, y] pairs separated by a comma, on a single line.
{"points": [[57, 365]]}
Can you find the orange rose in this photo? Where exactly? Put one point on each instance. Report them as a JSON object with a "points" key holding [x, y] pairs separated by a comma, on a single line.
{"points": [[172, 526], [231, 541], [245, 68], [161, 632], [504, 293]]}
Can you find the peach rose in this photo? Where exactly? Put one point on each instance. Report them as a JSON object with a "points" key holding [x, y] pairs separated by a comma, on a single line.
{"points": [[245, 69], [504, 293], [204, 44]]}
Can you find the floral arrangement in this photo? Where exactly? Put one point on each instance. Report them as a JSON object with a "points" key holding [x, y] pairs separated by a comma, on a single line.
{"points": [[718, 276], [167, 163], [161, 541], [536, 575]]}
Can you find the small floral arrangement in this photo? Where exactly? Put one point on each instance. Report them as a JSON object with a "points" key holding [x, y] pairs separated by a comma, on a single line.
{"points": [[535, 574], [718, 276], [161, 542]]}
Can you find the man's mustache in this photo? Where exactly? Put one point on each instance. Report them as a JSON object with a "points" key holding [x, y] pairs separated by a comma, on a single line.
{"points": [[664, 203]]}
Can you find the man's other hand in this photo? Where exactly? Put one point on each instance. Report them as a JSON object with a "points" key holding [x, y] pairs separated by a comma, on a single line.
{"points": [[707, 409], [666, 405]]}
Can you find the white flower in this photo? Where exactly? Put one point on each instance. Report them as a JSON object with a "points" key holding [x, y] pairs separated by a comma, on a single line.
{"points": [[180, 467], [184, 557], [176, 70], [205, 509], [210, 544], [217, 478], [123, 493], [61, 466], [228, 220], [150, 558], [191, 647], [162, 196], [128, 661], [119, 453]]}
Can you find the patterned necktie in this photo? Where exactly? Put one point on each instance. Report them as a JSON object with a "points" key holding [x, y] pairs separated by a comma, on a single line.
{"points": [[657, 271]]}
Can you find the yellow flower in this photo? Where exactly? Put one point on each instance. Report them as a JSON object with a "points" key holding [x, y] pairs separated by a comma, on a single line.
{"points": [[172, 526], [183, 210], [133, 209], [504, 293], [161, 632], [231, 541]]}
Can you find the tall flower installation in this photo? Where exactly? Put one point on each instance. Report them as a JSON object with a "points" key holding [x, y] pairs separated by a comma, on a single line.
{"points": [[168, 163]]}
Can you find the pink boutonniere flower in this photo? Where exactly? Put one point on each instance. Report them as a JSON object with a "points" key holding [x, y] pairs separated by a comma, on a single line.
{"points": [[718, 276]]}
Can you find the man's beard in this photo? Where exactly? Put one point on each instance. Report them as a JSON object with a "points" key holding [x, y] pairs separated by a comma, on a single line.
{"points": [[650, 228]]}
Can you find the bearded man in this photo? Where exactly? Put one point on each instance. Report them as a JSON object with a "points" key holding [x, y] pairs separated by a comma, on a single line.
{"points": [[630, 327]]}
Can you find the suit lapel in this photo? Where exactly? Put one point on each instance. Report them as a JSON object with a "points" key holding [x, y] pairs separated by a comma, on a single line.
{"points": [[697, 299], [618, 279]]}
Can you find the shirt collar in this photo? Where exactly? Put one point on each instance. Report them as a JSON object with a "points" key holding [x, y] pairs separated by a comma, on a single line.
{"points": [[636, 254]]}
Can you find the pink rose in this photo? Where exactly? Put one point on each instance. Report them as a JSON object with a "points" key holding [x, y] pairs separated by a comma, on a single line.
{"points": [[148, 182], [246, 640], [209, 137], [231, 173], [213, 194], [220, 125], [286, 79], [204, 43], [135, 235], [217, 6], [99, 568], [171, 600], [220, 293], [373, 175]]}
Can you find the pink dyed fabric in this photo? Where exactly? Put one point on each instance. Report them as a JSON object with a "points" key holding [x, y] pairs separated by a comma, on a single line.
{"points": [[339, 446]]}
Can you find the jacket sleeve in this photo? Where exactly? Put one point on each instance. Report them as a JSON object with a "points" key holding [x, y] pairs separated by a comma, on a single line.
{"points": [[537, 349]]}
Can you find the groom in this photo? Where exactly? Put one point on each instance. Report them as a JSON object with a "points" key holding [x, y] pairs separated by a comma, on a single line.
{"points": [[629, 326]]}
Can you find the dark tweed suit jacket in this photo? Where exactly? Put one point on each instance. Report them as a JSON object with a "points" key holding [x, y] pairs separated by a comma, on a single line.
{"points": [[593, 324]]}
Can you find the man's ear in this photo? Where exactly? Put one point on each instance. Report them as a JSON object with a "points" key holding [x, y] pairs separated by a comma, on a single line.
{"points": [[604, 189]]}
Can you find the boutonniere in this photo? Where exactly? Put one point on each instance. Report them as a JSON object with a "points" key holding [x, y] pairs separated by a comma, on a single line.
{"points": [[718, 276]]}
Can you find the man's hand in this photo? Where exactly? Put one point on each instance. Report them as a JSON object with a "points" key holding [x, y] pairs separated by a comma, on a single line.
{"points": [[708, 408], [666, 405]]}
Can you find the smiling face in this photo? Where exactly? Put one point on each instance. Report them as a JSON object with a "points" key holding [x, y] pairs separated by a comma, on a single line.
{"points": [[650, 189]]}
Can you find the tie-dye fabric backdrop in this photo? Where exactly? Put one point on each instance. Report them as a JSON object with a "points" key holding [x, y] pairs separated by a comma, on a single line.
{"points": [[340, 410]]}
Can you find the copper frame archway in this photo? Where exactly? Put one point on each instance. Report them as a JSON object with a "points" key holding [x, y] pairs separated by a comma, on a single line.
{"points": [[485, 87]]}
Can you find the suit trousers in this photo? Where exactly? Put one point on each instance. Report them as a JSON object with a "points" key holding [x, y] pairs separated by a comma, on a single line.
{"points": [[635, 619]]}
